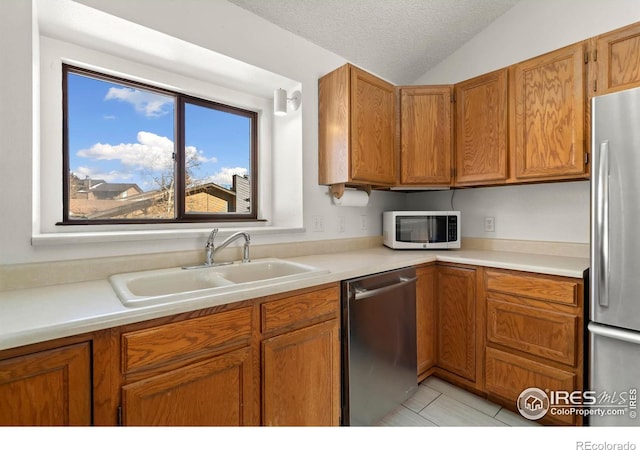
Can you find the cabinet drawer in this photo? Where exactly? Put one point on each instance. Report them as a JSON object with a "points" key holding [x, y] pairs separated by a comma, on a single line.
{"points": [[548, 334], [508, 375], [300, 310], [557, 290], [185, 339]]}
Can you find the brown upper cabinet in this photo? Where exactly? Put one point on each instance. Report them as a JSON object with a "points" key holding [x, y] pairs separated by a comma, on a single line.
{"points": [[617, 61], [525, 123], [481, 130], [548, 120], [357, 117], [426, 135]]}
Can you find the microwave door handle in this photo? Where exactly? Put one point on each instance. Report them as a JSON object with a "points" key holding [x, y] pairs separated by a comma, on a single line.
{"points": [[602, 224]]}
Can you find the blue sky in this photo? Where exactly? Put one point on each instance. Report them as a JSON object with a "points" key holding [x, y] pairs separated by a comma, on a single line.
{"points": [[125, 135]]}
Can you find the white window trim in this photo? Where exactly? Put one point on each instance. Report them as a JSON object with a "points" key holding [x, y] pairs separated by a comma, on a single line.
{"points": [[48, 183]]}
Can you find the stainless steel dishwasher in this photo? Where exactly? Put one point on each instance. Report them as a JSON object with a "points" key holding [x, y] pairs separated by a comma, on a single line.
{"points": [[379, 345]]}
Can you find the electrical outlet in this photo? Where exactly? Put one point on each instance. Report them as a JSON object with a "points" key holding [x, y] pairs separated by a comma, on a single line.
{"points": [[342, 224], [318, 223], [489, 224], [364, 225]]}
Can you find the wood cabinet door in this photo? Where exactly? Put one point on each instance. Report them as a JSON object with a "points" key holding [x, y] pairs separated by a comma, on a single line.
{"points": [[548, 125], [618, 60], [426, 140], [426, 318], [373, 118], [47, 388], [508, 375], [217, 391], [481, 129], [457, 321], [301, 377]]}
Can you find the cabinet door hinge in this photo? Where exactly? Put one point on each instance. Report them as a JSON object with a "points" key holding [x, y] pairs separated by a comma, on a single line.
{"points": [[595, 85], [119, 416], [586, 57], [586, 158], [595, 55], [453, 98]]}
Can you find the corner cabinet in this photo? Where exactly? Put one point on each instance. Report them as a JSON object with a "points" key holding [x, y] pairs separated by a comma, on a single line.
{"points": [[548, 124], [357, 126], [426, 323], [481, 155], [458, 317], [49, 387], [426, 135]]}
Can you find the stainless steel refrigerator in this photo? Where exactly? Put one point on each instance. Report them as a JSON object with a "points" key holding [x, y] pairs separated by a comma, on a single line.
{"points": [[614, 327]]}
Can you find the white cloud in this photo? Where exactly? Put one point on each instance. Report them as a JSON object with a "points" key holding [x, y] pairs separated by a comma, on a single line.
{"points": [[198, 155], [225, 176], [151, 152], [144, 102], [114, 175]]}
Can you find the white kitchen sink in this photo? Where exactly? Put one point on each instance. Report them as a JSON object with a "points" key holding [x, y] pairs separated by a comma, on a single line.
{"points": [[169, 285]]}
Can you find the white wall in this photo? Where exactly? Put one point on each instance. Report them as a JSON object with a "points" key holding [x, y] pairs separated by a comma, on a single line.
{"points": [[531, 28], [538, 212], [218, 26], [548, 212]]}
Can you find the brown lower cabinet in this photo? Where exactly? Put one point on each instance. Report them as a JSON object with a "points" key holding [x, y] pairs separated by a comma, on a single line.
{"points": [[276, 360], [426, 324], [300, 359], [534, 333], [272, 360], [459, 326], [498, 332], [216, 391], [48, 387], [301, 377]]}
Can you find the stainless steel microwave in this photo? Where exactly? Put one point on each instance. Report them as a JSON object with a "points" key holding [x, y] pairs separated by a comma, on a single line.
{"points": [[421, 229]]}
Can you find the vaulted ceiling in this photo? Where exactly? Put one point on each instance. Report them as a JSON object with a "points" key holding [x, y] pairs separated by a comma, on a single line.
{"points": [[399, 40]]}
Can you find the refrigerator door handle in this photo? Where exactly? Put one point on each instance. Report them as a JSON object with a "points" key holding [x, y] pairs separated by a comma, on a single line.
{"points": [[614, 333], [602, 224]]}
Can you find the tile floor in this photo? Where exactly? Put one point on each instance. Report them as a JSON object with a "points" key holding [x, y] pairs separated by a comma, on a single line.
{"points": [[440, 404]]}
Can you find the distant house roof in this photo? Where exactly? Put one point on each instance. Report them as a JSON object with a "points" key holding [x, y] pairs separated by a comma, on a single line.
{"points": [[115, 187], [104, 187], [143, 199]]}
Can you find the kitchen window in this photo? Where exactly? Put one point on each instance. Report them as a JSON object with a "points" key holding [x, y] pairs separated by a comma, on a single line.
{"points": [[135, 153]]}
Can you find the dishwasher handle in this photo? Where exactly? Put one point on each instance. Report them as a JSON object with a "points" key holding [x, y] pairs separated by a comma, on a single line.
{"points": [[361, 293]]}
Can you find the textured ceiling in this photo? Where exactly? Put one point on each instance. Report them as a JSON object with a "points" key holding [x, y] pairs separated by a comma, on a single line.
{"points": [[399, 40]]}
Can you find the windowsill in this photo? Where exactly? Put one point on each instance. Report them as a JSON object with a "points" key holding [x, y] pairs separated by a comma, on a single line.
{"points": [[67, 238]]}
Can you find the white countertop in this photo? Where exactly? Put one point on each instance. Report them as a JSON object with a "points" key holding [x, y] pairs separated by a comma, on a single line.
{"points": [[40, 314]]}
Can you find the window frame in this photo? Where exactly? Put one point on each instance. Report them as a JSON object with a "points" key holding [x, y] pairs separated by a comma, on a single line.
{"points": [[180, 214]]}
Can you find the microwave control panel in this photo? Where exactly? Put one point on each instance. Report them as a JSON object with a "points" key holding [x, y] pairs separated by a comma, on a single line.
{"points": [[452, 222]]}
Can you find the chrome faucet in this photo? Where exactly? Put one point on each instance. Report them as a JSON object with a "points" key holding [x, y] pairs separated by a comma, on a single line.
{"points": [[211, 249]]}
